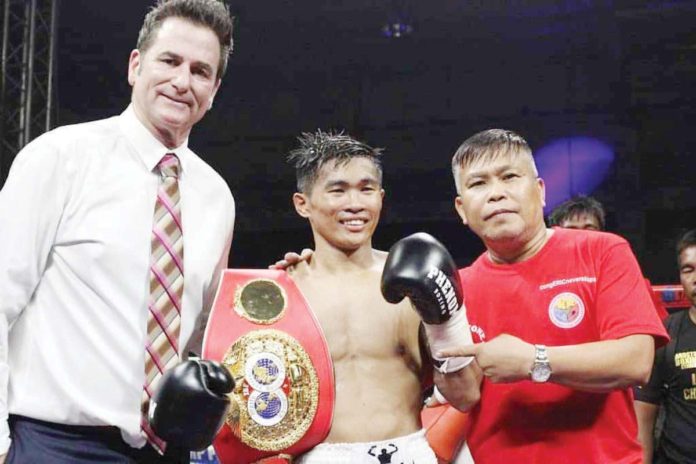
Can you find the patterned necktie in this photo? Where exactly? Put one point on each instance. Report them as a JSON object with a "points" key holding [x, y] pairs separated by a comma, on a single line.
{"points": [[166, 288]]}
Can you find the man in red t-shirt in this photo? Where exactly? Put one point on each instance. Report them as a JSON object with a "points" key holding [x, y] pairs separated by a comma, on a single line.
{"points": [[563, 317]]}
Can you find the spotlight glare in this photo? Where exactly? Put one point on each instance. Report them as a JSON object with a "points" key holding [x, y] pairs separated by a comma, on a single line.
{"points": [[396, 29]]}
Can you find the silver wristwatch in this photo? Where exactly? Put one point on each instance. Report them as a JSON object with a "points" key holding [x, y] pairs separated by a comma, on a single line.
{"points": [[541, 369]]}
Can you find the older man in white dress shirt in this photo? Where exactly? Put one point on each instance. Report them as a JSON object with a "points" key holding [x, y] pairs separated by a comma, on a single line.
{"points": [[76, 248]]}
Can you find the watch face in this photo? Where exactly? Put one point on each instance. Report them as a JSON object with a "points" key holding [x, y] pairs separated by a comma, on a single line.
{"points": [[541, 373]]}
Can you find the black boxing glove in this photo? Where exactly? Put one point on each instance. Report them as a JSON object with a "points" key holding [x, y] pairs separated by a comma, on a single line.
{"points": [[190, 404], [420, 268]]}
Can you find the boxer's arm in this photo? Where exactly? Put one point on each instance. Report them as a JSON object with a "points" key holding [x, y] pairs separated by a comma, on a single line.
{"points": [[597, 367], [420, 268], [646, 414], [462, 389]]}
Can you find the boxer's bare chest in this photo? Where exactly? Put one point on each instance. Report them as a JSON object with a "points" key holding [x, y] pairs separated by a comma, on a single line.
{"points": [[356, 321]]}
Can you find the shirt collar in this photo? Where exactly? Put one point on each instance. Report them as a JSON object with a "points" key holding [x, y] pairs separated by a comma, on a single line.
{"points": [[149, 149]]}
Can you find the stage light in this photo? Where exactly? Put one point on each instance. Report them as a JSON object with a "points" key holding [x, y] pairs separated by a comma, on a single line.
{"points": [[572, 166], [396, 29]]}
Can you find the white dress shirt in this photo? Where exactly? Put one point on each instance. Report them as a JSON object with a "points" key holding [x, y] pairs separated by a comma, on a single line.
{"points": [[76, 217]]}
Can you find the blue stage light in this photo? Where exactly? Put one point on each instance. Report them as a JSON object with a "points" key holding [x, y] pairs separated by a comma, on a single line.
{"points": [[572, 166]]}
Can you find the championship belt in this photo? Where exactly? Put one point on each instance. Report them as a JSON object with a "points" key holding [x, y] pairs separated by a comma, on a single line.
{"points": [[262, 329]]}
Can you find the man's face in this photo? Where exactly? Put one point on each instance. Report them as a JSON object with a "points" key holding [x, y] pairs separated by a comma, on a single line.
{"points": [[174, 80], [687, 272], [501, 199], [344, 204], [584, 221]]}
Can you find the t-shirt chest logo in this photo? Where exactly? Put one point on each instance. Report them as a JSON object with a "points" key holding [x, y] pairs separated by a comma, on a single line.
{"points": [[566, 310]]}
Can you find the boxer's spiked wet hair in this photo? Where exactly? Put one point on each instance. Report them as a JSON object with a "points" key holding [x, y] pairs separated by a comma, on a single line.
{"points": [[488, 145], [213, 14], [318, 148]]}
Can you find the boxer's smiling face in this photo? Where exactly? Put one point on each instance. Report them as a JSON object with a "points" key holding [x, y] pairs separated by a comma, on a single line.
{"points": [[687, 272], [501, 198], [344, 203]]}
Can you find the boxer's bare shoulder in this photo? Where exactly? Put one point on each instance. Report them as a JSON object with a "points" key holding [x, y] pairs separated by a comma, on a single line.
{"points": [[374, 347]]}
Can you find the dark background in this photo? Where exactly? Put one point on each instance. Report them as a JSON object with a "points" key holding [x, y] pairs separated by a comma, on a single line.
{"points": [[623, 72]]}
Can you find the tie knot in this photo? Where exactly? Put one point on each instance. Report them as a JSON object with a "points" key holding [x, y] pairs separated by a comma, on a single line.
{"points": [[169, 165]]}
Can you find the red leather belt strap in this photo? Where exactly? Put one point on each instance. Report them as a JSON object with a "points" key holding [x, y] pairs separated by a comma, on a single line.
{"points": [[246, 306]]}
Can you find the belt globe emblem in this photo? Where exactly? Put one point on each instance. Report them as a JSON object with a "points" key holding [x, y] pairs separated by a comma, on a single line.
{"points": [[277, 391]]}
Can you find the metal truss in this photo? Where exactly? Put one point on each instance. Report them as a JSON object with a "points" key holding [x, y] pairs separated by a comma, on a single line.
{"points": [[28, 30]]}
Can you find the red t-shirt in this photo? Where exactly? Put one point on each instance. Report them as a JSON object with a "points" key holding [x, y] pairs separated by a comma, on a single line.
{"points": [[581, 287], [657, 301]]}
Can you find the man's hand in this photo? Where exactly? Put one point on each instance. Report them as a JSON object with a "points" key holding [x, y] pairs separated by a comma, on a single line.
{"points": [[290, 259], [504, 359], [2, 458]]}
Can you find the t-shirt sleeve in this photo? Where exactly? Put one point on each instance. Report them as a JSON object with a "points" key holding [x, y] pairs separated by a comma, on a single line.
{"points": [[624, 306]]}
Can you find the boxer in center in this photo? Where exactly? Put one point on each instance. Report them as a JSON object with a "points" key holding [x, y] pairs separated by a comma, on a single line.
{"points": [[374, 345]]}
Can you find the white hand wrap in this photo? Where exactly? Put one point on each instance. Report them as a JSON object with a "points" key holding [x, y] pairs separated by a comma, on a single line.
{"points": [[437, 396], [449, 335]]}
